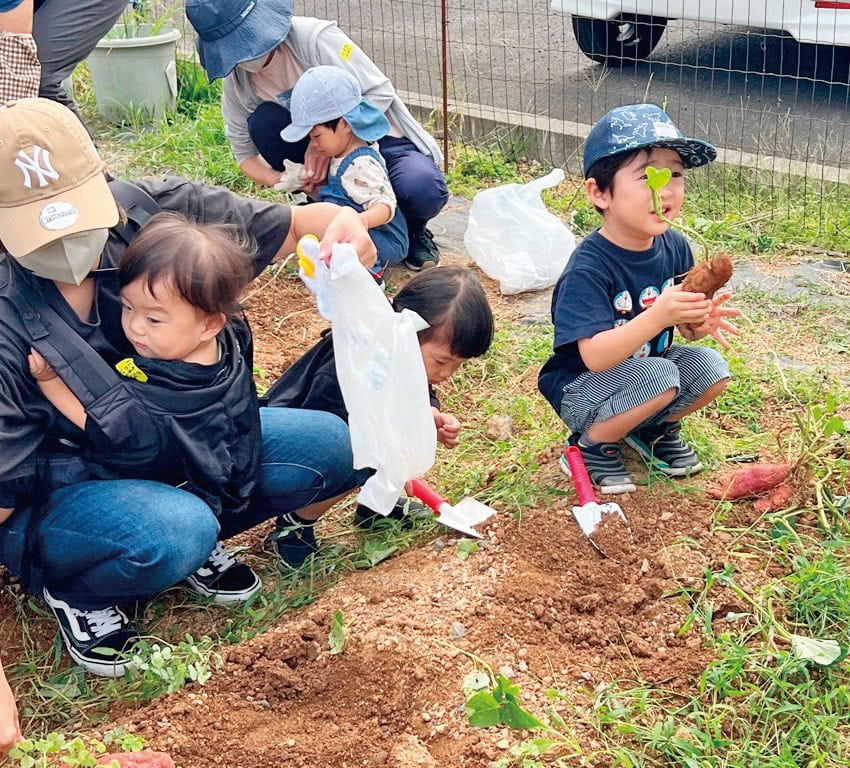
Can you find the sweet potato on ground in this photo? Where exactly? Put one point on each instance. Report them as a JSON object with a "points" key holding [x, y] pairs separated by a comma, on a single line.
{"points": [[752, 481], [779, 498]]}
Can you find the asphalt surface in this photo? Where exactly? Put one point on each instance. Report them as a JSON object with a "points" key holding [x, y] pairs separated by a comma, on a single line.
{"points": [[758, 92]]}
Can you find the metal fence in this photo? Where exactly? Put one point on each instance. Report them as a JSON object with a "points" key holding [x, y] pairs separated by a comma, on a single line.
{"points": [[758, 78]]}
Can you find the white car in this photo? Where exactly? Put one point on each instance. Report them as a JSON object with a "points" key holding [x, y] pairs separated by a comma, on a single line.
{"points": [[616, 31]]}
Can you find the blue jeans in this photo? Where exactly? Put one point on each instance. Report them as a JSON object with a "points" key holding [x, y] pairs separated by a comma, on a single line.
{"points": [[106, 542]]}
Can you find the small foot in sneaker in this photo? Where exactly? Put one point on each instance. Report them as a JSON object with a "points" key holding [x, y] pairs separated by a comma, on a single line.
{"points": [[294, 540], [223, 578], [422, 253], [405, 510], [99, 641], [664, 448], [604, 466]]}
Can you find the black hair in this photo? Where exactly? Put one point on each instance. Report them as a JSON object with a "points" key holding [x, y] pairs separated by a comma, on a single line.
{"points": [[209, 265], [451, 300], [604, 170], [332, 124]]}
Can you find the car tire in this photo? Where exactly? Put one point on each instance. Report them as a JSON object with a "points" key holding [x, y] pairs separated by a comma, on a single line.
{"points": [[628, 38]]}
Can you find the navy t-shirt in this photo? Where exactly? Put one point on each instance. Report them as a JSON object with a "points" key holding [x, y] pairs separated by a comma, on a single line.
{"points": [[604, 286]]}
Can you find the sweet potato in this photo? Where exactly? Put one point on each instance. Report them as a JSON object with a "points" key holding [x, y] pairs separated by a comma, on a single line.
{"points": [[752, 481], [144, 759], [709, 276], [779, 498]]}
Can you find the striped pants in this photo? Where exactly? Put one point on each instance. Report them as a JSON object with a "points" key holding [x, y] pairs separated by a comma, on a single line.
{"points": [[600, 395]]}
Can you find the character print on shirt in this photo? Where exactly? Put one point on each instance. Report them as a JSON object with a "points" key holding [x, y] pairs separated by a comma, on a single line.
{"points": [[623, 302], [648, 296], [667, 283], [642, 352], [621, 321], [663, 342]]}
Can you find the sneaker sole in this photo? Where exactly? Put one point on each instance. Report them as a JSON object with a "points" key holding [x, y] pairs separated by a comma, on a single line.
{"points": [[606, 490], [224, 598], [429, 264], [101, 669], [646, 454]]}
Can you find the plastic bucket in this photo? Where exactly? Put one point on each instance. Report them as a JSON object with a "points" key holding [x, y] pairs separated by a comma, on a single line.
{"points": [[135, 78]]}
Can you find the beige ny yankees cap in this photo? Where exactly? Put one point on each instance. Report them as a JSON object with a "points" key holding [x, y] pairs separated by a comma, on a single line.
{"points": [[51, 177]]}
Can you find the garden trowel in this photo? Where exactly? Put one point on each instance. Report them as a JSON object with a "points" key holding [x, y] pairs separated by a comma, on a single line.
{"points": [[461, 516], [590, 512]]}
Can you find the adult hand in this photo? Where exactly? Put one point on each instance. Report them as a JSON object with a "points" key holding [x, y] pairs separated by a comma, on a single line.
{"points": [[10, 729], [716, 325], [347, 227], [315, 169], [448, 428], [675, 307]]}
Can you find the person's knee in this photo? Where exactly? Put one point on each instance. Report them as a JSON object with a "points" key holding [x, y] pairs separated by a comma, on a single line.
{"points": [[420, 188]]}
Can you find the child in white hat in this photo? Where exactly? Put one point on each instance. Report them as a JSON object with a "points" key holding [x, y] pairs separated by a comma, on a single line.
{"points": [[327, 104]]}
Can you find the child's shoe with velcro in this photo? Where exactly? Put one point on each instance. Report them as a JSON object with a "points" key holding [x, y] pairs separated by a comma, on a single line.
{"points": [[604, 466], [294, 541], [405, 511], [664, 448]]}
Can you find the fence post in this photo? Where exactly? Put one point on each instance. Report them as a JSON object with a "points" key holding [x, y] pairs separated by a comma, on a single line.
{"points": [[445, 82]]}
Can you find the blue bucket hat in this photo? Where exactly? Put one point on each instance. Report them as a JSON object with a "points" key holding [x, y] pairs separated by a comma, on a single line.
{"points": [[642, 126], [230, 31], [326, 93]]}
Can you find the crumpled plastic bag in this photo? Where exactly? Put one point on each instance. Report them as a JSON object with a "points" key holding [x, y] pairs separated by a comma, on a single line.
{"points": [[315, 274], [382, 377], [514, 238]]}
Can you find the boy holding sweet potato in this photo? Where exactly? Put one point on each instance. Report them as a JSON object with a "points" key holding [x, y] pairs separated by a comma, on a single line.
{"points": [[615, 373]]}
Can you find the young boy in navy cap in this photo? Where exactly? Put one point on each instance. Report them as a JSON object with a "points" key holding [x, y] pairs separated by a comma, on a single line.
{"points": [[615, 373], [327, 104]]}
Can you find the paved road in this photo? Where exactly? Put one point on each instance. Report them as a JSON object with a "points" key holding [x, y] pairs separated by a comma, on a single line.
{"points": [[762, 93]]}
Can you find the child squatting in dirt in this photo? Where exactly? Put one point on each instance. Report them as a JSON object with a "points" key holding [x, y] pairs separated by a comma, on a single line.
{"points": [[615, 373]]}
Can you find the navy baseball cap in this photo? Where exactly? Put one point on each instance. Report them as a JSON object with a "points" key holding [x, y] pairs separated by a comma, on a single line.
{"points": [[642, 126], [230, 31]]}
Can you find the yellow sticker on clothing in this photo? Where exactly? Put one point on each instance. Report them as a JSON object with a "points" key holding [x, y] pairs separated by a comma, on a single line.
{"points": [[127, 367], [346, 51]]}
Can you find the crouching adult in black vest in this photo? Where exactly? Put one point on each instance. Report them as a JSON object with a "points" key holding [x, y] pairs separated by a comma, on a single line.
{"points": [[88, 544]]}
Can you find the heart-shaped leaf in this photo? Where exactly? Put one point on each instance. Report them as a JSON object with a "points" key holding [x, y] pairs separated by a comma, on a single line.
{"points": [[657, 178]]}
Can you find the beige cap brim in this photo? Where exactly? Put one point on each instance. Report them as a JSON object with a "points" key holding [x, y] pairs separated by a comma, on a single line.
{"points": [[90, 205]]}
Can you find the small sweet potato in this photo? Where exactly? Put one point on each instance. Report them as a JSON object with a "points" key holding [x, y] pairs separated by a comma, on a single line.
{"points": [[709, 276], [144, 759], [779, 498], [752, 481]]}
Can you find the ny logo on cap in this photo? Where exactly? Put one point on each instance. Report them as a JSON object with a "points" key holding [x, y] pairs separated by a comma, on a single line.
{"points": [[38, 164]]}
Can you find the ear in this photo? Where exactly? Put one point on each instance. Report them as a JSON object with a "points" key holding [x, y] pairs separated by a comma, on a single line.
{"points": [[343, 123], [596, 196], [213, 325]]}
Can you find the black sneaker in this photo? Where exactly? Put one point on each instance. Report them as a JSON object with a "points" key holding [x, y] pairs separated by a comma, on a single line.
{"points": [[606, 469], [295, 541], [96, 640], [224, 579], [422, 253], [405, 510], [663, 447]]}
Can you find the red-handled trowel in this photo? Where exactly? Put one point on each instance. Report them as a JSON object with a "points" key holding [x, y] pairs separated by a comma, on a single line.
{"points": [[590, 512], [461, 516]]}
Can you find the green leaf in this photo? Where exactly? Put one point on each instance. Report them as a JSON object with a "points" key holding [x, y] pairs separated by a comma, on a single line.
{"points": [[376, 551], [475, 681], [657, 178], [821, 652], [336, 637], [465, 547], [482, 710], [542, 746], [513, 715]]}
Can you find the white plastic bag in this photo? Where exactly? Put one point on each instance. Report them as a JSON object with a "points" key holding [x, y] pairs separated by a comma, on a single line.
{"points": [[383, 382], [515, 239]]}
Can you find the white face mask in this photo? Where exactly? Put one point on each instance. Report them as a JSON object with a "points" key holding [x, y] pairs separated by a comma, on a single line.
{"points": [[68, 260], [255, 65]]}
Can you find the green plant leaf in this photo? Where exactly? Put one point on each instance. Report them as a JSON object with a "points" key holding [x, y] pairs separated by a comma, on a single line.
{"points": [[375, 550], [475, 681], [821, 652], [482, 710], [465, 547], [658, 178], [513, 715], [336, 637]]}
